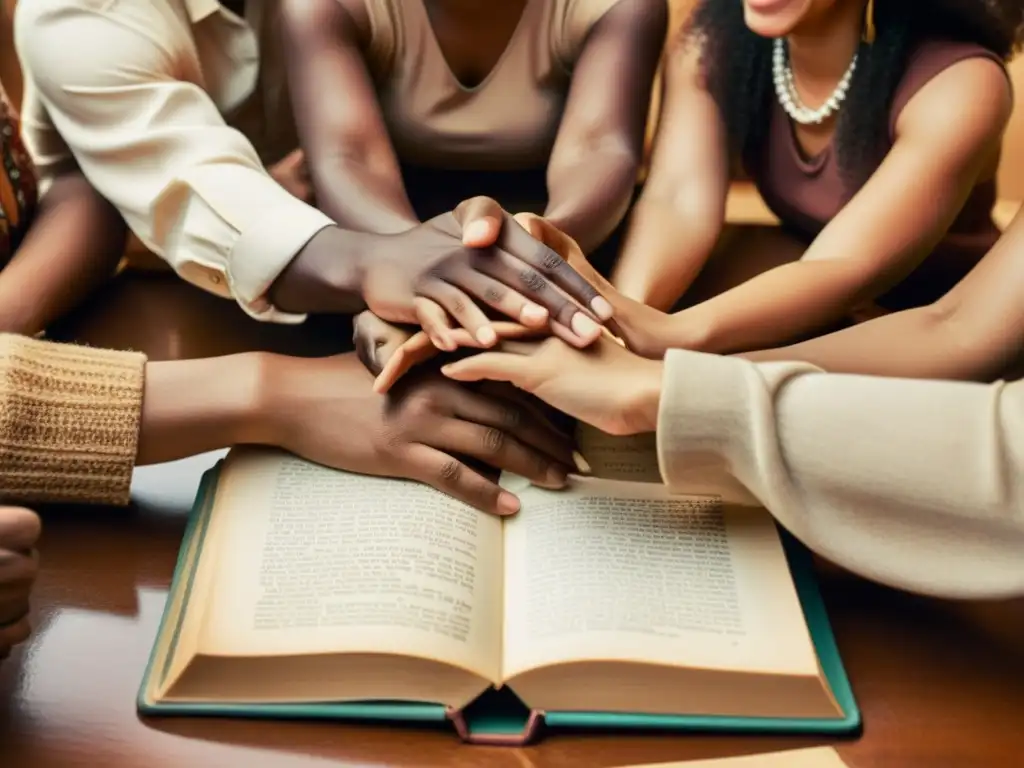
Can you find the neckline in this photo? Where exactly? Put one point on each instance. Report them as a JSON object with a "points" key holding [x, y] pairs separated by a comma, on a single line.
{"points": [[439, 52], [810, 165]]}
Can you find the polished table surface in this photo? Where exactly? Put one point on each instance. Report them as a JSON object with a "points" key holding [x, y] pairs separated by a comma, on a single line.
{"points": [[940, 684]]}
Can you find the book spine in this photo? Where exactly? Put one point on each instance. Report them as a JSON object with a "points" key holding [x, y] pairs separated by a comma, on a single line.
{"points": [[530, 730]]}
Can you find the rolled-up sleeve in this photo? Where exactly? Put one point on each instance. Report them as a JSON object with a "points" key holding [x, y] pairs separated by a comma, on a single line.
{"points": [[917, 484], [105, 90]]}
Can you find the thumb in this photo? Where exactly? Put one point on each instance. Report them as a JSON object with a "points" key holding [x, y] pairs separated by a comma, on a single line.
{"points": [[492, 366], [481, 219]]}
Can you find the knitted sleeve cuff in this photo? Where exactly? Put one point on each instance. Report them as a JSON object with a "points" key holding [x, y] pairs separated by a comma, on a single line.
{"points": [[69, 421]]}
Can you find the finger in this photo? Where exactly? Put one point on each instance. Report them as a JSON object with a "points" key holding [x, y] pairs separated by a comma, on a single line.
{"points": [[481, 219], [451, 476], [533, 224], [504, 300], [418, 349], [491, 366], [13, 634], [515, 273], [14, 609], [517, 241], [498, 449], [19, 528], [462, 308], [516, 419], [366, 349], [18, 567], [376, 340], [547, 233], [435, 323]]}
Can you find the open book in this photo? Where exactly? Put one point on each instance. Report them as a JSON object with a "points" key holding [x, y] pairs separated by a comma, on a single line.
{"points": [[306, 591]]}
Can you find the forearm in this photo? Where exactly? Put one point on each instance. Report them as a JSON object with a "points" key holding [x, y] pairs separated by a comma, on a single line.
{"points": [[665, 249], [193, 406], [921, 343], [74, 244], [588, 197], [911, 483], [362, 198], [775, 307]]}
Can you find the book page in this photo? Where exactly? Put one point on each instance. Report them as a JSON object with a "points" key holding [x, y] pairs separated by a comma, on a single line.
{"points": [[632, 458], [815, 757], [627, 572], [316, 561]]}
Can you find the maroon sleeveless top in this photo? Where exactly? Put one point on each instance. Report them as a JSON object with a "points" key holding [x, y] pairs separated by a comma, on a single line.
{"points": [[806, 193]]}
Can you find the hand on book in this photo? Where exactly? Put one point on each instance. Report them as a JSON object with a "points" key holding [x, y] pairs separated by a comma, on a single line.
{"points": [[325, 410], [19, 531], [605, 385]]}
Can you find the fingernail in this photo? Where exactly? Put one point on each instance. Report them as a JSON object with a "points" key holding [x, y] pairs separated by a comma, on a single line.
{"points": [[581, 464], [533, 314], [507, 503], [602, 308], [487, 336], [475, 230], [555, 478], [584, 327]]}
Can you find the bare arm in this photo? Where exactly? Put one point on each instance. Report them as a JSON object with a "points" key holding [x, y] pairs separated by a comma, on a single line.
{"points": [[353, 165], [593, 168], [975, 332], [680, 214], [885, 231], [74, 244]]}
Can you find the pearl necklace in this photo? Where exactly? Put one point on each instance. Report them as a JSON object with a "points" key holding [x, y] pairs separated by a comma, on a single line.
{"points": [[785, 89]]}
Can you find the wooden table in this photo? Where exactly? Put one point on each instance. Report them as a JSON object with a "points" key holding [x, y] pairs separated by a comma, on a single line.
{"points": [[940, 684]]}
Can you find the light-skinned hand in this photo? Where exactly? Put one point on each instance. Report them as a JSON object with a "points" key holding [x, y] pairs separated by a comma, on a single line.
{"points": [[605, 385]]}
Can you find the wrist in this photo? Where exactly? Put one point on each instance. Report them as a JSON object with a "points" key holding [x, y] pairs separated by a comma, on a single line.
{"points": [[194, 406], [641, 411], [689, 330], [326, 276]]}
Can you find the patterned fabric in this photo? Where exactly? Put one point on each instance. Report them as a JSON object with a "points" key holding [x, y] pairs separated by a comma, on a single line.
{"points": [[18, 190]]}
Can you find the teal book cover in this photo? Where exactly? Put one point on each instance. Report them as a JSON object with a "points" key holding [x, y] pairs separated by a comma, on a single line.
{"points": [[498, 716]]}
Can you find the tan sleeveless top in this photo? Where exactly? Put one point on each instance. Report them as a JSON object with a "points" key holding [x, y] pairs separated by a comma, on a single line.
{"points": [[508, 121], [806, 193]]}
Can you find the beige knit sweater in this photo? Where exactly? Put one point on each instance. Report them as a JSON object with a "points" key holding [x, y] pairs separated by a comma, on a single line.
{"points": [[917, 484], [69, 421]]}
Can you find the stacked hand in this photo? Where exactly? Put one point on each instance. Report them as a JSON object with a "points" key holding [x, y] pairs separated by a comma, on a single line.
{"points": [[427, 429], [449, 268], [19, 531], [390, 351]]}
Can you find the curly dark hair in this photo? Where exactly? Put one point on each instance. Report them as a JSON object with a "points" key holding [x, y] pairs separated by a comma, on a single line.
{"points": [[738, 67]]}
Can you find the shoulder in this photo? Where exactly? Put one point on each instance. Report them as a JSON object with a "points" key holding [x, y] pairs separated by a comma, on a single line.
{"points": [[942, 73], [313, 16], [368, 24], [97, 42], [575, 20], [979, 87]]}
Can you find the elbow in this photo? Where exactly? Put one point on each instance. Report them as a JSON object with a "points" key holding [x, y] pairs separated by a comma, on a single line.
{"points": [[976, 352], [610, 157]]}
